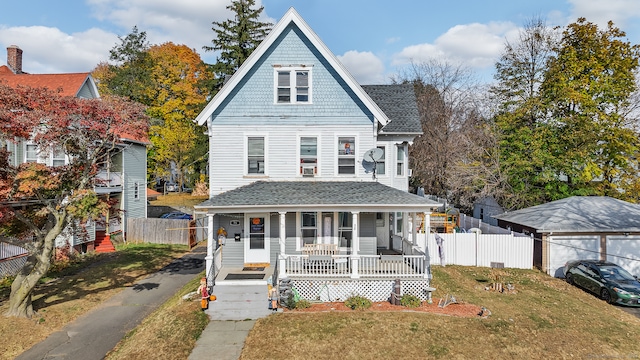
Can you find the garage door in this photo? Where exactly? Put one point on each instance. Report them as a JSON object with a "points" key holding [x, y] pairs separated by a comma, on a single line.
{"points": [[565, 248], [625, 251]]}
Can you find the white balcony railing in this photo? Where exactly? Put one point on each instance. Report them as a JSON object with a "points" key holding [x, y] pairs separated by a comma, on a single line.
{"points": [[108, 179], [348, 266]]}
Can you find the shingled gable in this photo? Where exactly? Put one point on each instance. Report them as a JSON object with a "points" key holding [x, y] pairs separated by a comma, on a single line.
{"points": [[291, 16]]}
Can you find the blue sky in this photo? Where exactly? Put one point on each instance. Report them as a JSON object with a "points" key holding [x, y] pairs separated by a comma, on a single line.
{"points": [[373, 38]]}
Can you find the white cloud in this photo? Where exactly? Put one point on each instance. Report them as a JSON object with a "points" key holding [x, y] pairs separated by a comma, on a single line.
{"points": [[365, 67], [600, 12], [476, 45], [49, 50], [186, 22]]}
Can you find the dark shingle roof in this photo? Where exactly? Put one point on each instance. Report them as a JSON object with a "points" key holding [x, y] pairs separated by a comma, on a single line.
{"points": [[399, 103], [578, 214], [336, 195]]}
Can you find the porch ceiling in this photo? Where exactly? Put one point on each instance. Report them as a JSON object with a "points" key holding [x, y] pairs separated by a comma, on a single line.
{"points": [[290, 196]]}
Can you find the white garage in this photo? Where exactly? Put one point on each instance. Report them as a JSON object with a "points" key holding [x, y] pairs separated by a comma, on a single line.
{"points": [[580, 227]]}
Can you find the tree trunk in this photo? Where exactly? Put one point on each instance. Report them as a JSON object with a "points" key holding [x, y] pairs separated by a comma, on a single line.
{"points": [[35, 268]]}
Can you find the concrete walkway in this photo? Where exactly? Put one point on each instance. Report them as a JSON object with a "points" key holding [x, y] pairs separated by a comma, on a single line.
{"points": [[233, 314], [94, 334]]}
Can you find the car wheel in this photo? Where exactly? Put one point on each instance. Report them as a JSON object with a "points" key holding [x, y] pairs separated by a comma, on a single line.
{"points": [[605, 295], [570, 279]]}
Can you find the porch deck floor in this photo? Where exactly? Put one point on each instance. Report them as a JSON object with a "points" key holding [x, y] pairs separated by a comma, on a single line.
{"points": [[226, 270]]}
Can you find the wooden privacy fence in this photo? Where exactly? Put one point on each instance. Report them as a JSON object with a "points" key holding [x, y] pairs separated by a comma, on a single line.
{"points": [[161, 231]]}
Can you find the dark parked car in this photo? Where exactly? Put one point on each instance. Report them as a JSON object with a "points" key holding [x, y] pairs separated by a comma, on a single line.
{"points": [[607, 280], [176, 215]]}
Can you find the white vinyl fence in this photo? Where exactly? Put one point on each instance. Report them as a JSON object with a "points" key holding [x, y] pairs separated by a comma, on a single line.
{"points": [[485, 250]]}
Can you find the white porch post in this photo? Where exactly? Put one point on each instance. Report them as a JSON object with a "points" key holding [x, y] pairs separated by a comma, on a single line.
{"points": [[355, 245], [283, 262], [405, 225], [210, 246], [414, 228], [427, 233]]}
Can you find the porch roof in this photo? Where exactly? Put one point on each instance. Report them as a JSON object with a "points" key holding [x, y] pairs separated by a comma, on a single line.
{"points": [[364, 196]]}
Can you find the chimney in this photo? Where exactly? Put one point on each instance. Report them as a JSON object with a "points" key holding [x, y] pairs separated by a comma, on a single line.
{"points": [[14, 59]]}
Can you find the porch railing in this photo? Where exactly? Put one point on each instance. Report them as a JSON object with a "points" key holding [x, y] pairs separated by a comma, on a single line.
{"points": [[349, 266]]}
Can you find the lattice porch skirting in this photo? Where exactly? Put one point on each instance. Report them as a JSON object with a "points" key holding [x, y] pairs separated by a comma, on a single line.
{"points": [[375, 290]]}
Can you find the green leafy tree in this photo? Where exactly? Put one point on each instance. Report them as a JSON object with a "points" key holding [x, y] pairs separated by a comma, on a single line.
{"points": [[172, 80], [519, 126], [236, 38], [129, 76], [587, 86], [563, 124]]}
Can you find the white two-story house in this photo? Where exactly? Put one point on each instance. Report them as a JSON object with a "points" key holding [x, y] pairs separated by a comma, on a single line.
{"points": [[122, 179], [309, 172]]}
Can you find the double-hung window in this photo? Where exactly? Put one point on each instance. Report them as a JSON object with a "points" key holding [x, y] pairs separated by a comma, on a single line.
{"points": [[346, 155], [57, 157], [293, 85], [255, 155], [345, 228], [31, 153], [381, 165], [309, 227], [308, 156], [400, 162]]}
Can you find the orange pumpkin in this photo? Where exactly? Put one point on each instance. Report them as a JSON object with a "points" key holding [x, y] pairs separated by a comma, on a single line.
{"points": [[212, 297]]}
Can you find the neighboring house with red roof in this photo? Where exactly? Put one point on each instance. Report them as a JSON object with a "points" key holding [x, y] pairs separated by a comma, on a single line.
{"points": [[124, 178]]}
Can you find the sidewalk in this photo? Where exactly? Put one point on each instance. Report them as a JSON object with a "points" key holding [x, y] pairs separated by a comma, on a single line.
{"points": [[239, 305], [94, 334]]}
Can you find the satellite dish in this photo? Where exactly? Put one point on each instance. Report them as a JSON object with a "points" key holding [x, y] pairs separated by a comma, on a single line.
{"points": [[369, 166], [373, 155]]}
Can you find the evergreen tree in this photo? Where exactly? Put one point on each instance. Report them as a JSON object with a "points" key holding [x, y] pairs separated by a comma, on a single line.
{"points": [[130, 75], [236, 38]]}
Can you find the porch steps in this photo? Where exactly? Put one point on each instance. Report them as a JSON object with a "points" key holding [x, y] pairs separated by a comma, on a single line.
{"points": [[103, 243], [238, 300]]}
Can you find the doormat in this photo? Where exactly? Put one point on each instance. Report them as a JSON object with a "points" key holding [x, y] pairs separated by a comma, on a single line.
{"points": [[253, 268], [244, 277]]}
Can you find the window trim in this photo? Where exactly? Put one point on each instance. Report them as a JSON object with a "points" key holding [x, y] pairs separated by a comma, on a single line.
{"points": [[317, 156], [383, 162], [353, 151], [264, 155], [300, 228], [27, 159], [293, 93], [401, 163]]}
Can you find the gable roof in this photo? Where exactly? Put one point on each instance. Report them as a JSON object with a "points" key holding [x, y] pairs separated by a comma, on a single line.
{"points": [[70, 84], [398, 101], [365, 196], [290, 17], [578, 214]]}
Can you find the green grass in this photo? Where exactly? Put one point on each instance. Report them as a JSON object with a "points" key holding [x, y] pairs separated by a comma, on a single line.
{"points": [[77, 287], [542, 318]]}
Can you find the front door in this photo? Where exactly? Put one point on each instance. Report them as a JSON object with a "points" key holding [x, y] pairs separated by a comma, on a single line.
{"points": [[256, 244]]}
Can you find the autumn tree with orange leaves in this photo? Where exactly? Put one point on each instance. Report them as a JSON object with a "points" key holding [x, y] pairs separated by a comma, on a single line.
{"points": [[37, 202], [172, 80]]}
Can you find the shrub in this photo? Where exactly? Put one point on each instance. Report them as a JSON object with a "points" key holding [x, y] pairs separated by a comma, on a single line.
{"points": [[303, 304], [409, 300], [357, 302]]}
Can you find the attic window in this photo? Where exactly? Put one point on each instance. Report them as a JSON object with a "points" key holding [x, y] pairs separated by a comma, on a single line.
{"points": [[292, 85]]}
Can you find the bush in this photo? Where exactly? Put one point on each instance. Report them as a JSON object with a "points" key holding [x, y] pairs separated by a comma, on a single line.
{"points": [[357, 302], [409, 300], [303, 304]]}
